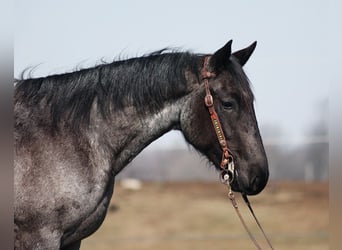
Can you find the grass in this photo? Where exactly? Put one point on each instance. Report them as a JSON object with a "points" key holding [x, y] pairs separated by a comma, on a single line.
{"points": [[200, 216]]}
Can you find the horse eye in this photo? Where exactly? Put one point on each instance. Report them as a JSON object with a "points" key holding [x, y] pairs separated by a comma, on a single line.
{"points": [[228, 105]]}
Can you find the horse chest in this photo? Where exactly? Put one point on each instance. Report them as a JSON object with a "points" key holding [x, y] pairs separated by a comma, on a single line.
{"points": [[91, 221]]}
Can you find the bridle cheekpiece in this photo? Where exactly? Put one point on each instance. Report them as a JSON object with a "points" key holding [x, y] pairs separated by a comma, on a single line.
{"points": [[227, 162]]}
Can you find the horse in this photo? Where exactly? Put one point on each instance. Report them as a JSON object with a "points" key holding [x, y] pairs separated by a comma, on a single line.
{"points": [[74, 132]]}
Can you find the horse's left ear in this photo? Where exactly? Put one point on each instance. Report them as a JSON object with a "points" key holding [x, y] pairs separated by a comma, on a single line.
{"points": [[243, 55], [221, 57]]}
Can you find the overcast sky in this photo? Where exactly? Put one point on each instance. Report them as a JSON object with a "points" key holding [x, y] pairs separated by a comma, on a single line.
{"points": [[288, 71]]}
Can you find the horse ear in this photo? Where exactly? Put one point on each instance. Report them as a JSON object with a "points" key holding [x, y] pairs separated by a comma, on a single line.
{"points": [[243, 55], [221, 57]]}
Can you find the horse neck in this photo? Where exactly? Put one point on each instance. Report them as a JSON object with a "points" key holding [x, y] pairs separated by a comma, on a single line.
{"points": [[123, 136]]}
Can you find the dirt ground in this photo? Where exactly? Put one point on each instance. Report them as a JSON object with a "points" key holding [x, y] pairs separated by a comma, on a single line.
{"points": [[199, 216]]}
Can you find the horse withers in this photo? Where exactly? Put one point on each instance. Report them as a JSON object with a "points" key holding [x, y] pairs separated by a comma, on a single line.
{"points": [[75, 132]]}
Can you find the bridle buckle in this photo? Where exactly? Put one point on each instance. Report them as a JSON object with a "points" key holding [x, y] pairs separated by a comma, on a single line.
{"points": [[208, 100]]}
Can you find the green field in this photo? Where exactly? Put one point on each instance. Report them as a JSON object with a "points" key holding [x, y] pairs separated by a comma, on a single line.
{"points": [[199, 216]]}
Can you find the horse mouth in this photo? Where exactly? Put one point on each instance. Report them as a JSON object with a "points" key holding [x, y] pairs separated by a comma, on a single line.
{"points": [[250, 185], [245, 182], [239, 183]]}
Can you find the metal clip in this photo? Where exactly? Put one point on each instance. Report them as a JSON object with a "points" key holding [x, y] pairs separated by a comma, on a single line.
{"points": [[231, 169]]}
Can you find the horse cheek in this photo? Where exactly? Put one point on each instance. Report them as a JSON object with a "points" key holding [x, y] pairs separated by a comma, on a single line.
{"points": [[196, 126]]}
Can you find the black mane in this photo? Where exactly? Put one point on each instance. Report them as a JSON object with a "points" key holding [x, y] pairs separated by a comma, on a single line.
{"points": [[143, 82]]}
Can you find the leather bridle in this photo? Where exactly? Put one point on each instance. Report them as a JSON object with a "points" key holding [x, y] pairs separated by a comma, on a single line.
{"points": [[227, 161]]}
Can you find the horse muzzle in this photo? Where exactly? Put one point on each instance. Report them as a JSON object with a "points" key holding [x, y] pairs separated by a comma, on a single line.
{"points": [[252, 182]]}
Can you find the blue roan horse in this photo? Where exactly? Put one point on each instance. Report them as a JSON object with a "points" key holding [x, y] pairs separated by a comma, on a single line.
{"points": [[75, 132]]}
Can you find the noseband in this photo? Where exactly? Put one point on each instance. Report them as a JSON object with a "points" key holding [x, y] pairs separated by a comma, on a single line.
{"points": [[227, 162]]}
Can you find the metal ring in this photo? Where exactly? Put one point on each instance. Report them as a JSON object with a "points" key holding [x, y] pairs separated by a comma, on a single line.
{"points": [[230, 175]]}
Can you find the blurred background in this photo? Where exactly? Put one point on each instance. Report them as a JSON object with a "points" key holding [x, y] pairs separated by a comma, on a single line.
{"points": [[289, 72]]}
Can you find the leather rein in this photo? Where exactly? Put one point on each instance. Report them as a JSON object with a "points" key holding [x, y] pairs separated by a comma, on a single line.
{"points": [[227, 161]]}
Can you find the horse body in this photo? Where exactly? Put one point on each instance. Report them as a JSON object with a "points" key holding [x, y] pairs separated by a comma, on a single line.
{"points": [[69, 148], [81, 168]]}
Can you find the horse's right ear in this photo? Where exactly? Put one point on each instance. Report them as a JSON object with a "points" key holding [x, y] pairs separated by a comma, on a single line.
{"points": [[243, 55], [221, 57]]}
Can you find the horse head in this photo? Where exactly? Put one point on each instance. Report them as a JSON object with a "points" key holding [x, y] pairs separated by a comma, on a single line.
{"points": [[233, 102]]}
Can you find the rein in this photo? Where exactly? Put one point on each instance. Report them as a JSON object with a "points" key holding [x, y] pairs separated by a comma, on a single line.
{"points": [[227, 162]]}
